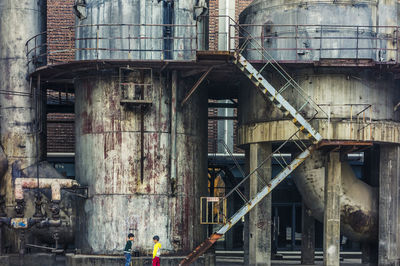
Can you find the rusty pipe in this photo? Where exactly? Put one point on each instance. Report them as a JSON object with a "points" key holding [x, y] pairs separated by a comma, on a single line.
{"points": [[54, 184], [358, 200]]}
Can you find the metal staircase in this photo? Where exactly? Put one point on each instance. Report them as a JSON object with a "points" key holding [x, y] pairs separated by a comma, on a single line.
{"points": [[292, 110]]}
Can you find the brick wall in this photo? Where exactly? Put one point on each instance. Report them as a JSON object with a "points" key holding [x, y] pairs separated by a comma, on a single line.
{"points": [[60, 31], [213, 25], [240, 6], [60, 133]]}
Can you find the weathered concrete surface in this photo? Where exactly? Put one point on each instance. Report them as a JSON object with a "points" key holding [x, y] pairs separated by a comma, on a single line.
{"points": [[307, 236], [260, 216], [16, 114], [42, 259], [389, 206], [90, 260], [341, 94], [18, 136], [332, 210], [358, 201], [274, 131], [108, 160]]}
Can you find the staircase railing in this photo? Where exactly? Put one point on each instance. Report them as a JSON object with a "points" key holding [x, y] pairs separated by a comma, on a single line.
{"points": [[298, 115]]}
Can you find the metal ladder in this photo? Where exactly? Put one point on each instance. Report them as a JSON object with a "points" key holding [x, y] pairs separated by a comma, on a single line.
{"points": [[290, 110]]}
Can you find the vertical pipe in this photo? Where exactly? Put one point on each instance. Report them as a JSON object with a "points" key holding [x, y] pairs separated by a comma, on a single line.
{"points": [[174, 123], [142, 81]]}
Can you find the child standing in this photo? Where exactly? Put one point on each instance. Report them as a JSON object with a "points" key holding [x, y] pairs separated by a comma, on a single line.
{"points": [[156, 251], [128, 249]]}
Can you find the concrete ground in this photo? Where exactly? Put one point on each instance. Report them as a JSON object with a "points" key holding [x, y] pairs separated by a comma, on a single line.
{"points": [[235, 258], [348, 262]]}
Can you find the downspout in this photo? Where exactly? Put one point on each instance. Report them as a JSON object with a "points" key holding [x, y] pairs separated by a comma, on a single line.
{"points": [[358, 201], [174, 124]]}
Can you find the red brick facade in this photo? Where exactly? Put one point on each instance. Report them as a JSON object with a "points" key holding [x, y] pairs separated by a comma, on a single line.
{"points": [[60, 30], [60, 133], [240, 6]]}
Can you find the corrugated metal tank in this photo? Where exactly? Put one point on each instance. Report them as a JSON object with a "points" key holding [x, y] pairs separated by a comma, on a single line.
{"points": [[304, 42], [131, 29]]}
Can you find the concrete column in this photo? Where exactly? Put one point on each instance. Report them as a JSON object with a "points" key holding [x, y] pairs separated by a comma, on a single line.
{"points": [[307, 236], [332, 210], [369, 254], [389, 205], [371, 174], [260, 216]]}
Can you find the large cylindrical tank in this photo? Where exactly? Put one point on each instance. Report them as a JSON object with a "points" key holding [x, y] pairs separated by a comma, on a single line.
{"points": [[128, 193], [310, 31], [134, 29], [18, 132], [352, 101], [19, 20]]}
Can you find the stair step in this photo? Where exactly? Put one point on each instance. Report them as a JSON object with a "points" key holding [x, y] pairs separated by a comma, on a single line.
{"points": [[276, 98]]}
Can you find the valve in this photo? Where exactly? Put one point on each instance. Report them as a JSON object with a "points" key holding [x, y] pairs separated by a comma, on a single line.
{"points": [[38, 206], [20, 208]]}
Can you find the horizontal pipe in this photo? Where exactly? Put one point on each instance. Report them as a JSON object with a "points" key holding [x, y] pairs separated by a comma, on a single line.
{"points": [[54, 184]]}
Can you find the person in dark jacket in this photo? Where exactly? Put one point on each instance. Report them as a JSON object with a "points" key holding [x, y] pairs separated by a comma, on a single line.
{"points": [[128, 249]]}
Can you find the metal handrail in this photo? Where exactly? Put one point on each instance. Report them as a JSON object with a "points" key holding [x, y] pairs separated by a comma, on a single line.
{"points": [[277, 67], [48, 52]]}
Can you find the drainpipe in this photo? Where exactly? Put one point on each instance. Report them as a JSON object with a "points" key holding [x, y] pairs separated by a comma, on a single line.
{"points": [[173, 124]]}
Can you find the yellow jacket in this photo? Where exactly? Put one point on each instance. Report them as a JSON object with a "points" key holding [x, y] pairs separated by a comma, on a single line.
{"points": [[156, 250]]}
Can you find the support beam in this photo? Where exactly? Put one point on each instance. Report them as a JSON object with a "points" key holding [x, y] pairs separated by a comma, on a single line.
{"points": [[389, 205], [260, 217], [307, 236], [196, 85], [332, 210]]}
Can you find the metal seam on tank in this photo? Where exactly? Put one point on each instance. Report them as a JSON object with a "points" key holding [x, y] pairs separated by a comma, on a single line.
{"points": [[256, 9]]}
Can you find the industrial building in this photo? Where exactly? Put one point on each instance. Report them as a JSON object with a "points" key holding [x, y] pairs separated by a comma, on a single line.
{"points": [[240, 132]]}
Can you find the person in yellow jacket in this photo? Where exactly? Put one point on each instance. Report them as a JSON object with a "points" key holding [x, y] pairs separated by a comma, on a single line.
{"points": [[156, 251]]}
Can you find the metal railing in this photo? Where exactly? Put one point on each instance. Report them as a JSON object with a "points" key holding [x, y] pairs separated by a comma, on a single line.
{"points": [[358, 115], [285, 43], [113, 41], [309, 43]]}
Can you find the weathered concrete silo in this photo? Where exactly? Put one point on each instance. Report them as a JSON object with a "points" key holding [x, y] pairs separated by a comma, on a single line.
{"points": [[142, 155], [19, 134], [331, 50], [23, 129]]}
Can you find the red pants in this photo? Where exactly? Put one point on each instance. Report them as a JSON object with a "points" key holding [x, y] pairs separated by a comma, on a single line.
{"points": [[156, 261]]}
